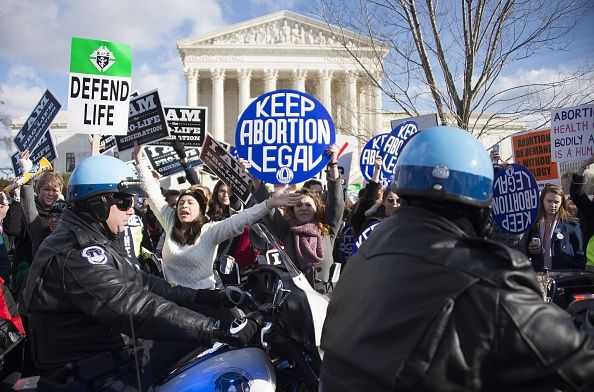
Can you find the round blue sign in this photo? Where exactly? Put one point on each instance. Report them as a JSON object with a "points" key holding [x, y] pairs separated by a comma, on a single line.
{"points": [[363, 236], [285, 134], [345, 249], [367, 160], [515, 199]]}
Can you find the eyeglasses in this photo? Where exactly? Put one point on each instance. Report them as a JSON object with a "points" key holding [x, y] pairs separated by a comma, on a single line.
{"points": [[393, 199], [122, 202], [54, 216]]}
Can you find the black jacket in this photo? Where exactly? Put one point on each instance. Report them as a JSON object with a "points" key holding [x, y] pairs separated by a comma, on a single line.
{"points": [[82, 293], [423, 306]]}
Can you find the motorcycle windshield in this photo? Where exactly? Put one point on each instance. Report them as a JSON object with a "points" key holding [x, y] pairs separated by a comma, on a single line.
{"points": [[264, 233]]}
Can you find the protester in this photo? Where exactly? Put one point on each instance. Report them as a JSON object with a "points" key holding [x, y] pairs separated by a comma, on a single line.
{"points": [[426, 304], [5, 267], [82, 294], [190, 242], [48, 188], [585, 207], [555, 241], [309, 229]]}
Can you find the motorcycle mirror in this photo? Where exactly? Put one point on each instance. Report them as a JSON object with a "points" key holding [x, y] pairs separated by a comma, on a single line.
{"points": [[227, 265], [256, 239]]}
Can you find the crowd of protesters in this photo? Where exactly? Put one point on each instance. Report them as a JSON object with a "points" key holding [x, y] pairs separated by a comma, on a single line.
{"points": [[157, 235]]}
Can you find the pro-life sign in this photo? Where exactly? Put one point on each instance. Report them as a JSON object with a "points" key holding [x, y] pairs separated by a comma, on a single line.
{"points": [[45, 148], [166, 161], [38, 122], [186, 124], [285, 134], [515, 199], [223, 165], [99, 87], [146, 122]]}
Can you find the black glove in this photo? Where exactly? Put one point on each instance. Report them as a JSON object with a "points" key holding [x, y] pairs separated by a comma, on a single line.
{"points": [[213, 298], [178, 147], [237, 333]]}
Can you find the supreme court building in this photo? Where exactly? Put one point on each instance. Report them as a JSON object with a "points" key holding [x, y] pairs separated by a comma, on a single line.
{"points": [[225, 69]]}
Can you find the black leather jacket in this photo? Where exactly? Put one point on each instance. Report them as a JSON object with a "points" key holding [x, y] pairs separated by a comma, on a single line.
{"points": [[82, 293], [425, 307]]}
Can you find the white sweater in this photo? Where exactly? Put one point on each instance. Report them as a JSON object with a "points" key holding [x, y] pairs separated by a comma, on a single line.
{"points": [[191, 265]]}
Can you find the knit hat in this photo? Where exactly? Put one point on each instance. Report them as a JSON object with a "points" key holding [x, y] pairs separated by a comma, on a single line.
{"points": [[197, 196]]}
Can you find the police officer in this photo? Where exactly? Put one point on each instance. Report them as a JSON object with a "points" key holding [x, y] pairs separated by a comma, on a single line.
{"points": [[428, 305], [83, 293]]}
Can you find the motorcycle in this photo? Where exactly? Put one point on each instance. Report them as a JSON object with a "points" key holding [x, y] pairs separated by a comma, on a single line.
{"points": [[287, 356], [284, 356], [572, 291]]}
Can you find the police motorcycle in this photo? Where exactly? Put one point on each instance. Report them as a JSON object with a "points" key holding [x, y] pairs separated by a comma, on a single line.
{"points": [[286, 356], [572, 291]]}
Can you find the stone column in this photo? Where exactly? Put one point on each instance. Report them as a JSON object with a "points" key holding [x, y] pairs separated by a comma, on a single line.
{"points": [[244, 76], [299, 76], [326, 89], [217, 76], [270, 76], [376, 103], [351, 101], [192, 75]]}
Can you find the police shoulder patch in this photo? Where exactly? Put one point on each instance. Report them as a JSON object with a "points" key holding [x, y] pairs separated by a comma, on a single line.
{"points": [[94, 254]]}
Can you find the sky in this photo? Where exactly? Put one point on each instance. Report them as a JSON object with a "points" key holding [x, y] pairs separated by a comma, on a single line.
{"points": [[35, 38]]}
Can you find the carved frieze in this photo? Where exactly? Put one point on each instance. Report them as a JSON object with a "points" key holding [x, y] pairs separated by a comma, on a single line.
{"points": [[283, 32]]}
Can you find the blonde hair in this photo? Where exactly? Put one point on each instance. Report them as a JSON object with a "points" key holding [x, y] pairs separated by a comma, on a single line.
{"points": [[51, 179]]}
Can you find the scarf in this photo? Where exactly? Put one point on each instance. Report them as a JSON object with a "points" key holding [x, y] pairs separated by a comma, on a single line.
{"points": [[308, 243]]}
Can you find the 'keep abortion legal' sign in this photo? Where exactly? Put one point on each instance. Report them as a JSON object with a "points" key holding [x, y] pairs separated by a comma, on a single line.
{"points": [[515, 199], [285, 134], [361, 238], [38, 122], [99, 87], [370, 151]]}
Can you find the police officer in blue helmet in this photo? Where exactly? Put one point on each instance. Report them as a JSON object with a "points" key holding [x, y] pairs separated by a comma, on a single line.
{"points": [[427, 304], [85, 299]]}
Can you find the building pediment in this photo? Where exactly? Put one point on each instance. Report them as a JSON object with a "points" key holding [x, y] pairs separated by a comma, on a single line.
{"points": [[284, 28]]}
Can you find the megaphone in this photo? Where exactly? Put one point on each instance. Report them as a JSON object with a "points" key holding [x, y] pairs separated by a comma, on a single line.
{"points": [[43, 166]]}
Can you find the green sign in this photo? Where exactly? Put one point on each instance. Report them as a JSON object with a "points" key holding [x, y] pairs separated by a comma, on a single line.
{"points": [[89, 56], [99, 87]]}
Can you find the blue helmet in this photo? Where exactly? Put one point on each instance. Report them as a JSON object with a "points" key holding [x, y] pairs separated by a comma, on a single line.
{"points": [[445, 164], [102, 174]]}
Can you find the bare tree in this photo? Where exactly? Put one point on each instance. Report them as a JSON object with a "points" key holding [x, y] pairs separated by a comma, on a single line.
{"points": [[450, 56]]}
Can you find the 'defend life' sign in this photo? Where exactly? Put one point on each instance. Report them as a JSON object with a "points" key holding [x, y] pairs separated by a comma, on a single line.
{"points": [[285, 134], [99, 87], [515, 199]]}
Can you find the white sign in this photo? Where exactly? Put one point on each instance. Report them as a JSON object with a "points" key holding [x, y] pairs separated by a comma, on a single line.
{"points": [[572, 133]]}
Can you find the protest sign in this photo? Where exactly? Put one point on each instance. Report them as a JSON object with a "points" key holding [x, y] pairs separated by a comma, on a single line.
{"points": [[223, 165], [285, 134], [515, 199], [392, 146], [99, 87], [106, 143], [186, 124], [367, 160], [166, 161], [146, 122], [423, 122], [361, 238], [352, 192], [345, 249], [38, 122], [572, 133], [45, 148], [533, 150]]}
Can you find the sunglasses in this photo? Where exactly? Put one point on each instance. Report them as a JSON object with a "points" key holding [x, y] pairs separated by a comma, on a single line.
{"points": [[122, 202], [393, 199]]}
